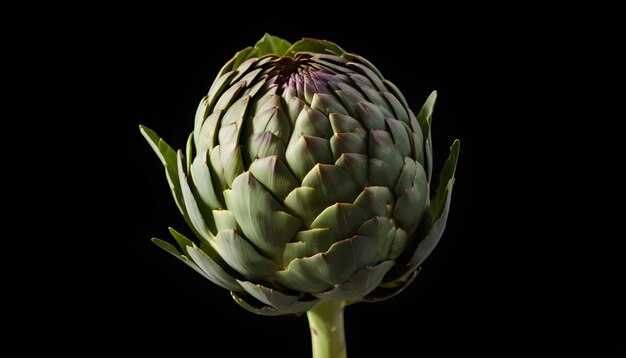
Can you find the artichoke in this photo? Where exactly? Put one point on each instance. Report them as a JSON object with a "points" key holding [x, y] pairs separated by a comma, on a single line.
{"points": [[306, 179]]}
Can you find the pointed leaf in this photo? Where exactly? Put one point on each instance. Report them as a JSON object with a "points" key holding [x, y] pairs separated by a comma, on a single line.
{"points": [[215, 273], [251, 304], [341, 123], [201, 113], [320, 272], [230, 126], [172, 250], [311, 122], [305, 203], [333, 184], [361, 283], [282, 302], [166, 246], [274, 175], [446, 174], [424, 117], [342, 219], [398, 109], [385, 292], [376, 80], [315, 46], [427, 245], [217, 88], [400, 240], [407, 176], [207, 139], [229, 96], [295, 107], [400, 132], [410, 206], [191, 206], [308, 243], [242, 56], [261, 218], [386, 162], [168, 157], [203, 183], [327, 103], [357, 165], [273, 120], [272, 45], [265, 144], [377, 229], [396, 92], [181, 240], [232, 163], [241, 256], [371, 116], [376, 201], [341, 143], [305, 152]]}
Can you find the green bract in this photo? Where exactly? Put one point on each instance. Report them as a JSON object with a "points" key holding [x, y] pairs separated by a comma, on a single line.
{"points": [[306, 177]]}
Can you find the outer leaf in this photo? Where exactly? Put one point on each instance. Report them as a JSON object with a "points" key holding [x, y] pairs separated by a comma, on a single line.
{"points": [[181, 240], [341, 219], [367, 63], [203, 183], [386, 170], [274, 175], [384, 292], [195, 217], [284, 303], [412, 202], [400, 111], [168, 157], [363, 282], [333, 184], [242, 256], [272, 45], [394, 89], [446, 174], [212, 270], [253, 305], [201, 114], [316, 46], [242, 56], [425, 115], [430, 241], [261, 218], [166, 246], [322, 271], [217, 88], [207, 139], [308, 243], [305, 152], [376, 201], [328, 103], [172, 250], [373, 76], [305, 203], [357, 165], [225, 220]]}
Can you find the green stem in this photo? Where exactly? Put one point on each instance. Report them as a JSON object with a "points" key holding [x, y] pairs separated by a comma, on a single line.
{"points": [[327, 332]]}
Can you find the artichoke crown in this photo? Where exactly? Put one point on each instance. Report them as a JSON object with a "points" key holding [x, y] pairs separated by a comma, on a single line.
{"points": [[306, 177]]}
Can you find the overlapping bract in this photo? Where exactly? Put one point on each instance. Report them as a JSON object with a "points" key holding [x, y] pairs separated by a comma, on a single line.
{"points": [[306, 177]]}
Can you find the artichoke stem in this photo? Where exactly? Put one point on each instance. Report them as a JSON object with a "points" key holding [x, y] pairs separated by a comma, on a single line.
{"points": [[327, 332]]}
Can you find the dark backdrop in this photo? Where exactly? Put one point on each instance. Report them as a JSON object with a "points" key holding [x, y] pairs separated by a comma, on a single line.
{"points": [[514, 274]]}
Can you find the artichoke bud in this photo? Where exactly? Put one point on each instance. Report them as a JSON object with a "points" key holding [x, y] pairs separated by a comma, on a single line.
{"points": [[309, 180]]}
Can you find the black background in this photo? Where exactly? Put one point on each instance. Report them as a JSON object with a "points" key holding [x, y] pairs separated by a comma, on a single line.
{"points": [[517, 272]]}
